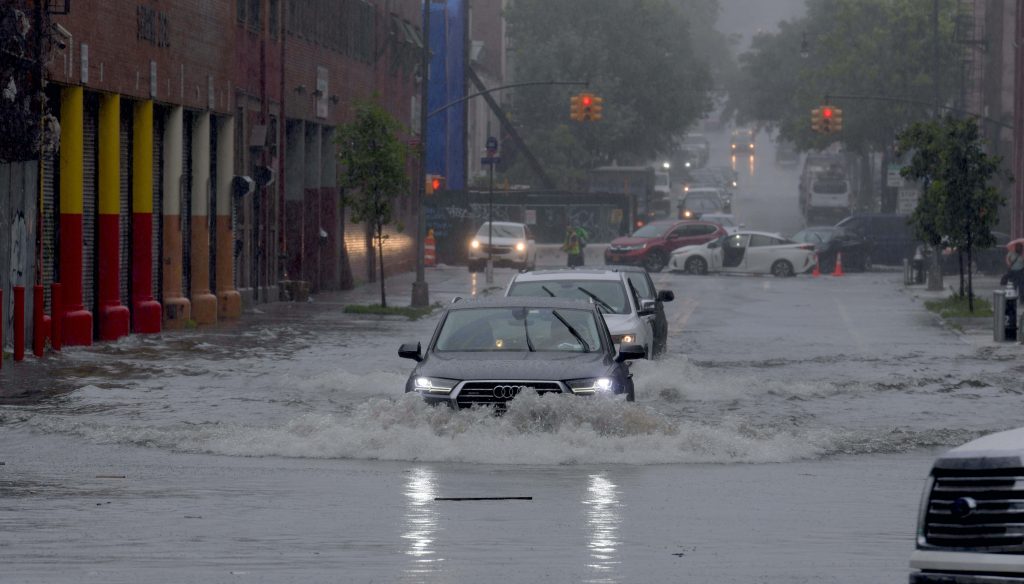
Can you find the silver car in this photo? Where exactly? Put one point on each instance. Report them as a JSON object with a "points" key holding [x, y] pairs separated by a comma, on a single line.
{"points": [[629, 318]]}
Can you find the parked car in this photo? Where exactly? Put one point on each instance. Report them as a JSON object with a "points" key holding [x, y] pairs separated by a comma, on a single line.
{"points": [[890, 236], [751, 252], [828, 242], [742, 141], [969, 526], [642, 282], [513, 245], [624, 312], [651, 245], [487, 352]]}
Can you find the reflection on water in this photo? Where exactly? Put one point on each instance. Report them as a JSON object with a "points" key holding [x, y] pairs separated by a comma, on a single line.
{"points": [[753, 164], [603, 518], [733, 162], [420, 520]]}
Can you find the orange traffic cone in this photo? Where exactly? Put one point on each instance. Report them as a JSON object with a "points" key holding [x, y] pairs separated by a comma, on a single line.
{"points": [[839, 265], [816, 272]]}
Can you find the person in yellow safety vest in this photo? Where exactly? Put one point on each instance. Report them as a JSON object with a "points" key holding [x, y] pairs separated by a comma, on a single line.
{"points": [[573, 246]]}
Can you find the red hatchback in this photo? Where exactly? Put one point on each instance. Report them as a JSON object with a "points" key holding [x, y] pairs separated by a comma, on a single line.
{"points": [[651, 245]]}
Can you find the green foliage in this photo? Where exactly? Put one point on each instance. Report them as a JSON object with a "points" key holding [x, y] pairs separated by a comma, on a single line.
{"points": [[959, 207], [880, 48], [957, 306], [638, 55], [373, 162]]}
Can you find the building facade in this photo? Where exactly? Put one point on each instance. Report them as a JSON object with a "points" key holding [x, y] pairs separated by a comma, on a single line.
{"points": [[197, 169]]}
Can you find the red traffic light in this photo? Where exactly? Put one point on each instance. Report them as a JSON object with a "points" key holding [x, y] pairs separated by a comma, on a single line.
{"points": [[587, 100], [826, 112], [435, 184]]}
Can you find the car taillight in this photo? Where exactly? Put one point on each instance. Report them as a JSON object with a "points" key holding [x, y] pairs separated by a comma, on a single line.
{"points": [[807, 246]]}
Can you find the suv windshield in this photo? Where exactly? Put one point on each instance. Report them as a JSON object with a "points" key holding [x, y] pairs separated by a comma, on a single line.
{"points": [[502, 230], [609, 295], [517, 329], [653, 230]]}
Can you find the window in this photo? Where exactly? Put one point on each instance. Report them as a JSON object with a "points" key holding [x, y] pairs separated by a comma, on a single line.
{"points": [[736, 241], [273, 16], [610, 295], [763, 241], [253, 14], [240, 10]]}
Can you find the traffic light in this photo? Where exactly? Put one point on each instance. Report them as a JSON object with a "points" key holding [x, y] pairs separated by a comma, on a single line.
{"points": [[826, 120], [837, 120], [576, 108], [587, 101], [435, 183], [816, 119], [597, 108]]}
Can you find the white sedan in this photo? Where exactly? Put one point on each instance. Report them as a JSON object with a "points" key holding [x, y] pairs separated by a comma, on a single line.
{"points": [[751, 252]]}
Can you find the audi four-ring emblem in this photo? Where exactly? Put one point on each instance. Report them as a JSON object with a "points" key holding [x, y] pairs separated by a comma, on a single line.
{"points": [[507, 391]]}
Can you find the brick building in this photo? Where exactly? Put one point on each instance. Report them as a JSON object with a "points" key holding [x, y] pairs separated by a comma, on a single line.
{"points": [[164, 105]]}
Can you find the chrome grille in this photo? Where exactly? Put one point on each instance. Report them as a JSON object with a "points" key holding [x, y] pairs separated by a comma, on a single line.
{"points": [[500, 392], [495, 249], [977, 510]]}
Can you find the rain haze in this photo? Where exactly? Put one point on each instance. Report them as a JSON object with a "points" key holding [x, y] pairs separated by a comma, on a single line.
{"points": [[591, 291]]}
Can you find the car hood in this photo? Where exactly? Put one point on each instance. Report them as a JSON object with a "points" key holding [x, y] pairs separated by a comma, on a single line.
{"points": [[619, 324], [687, 249], [1001, 450], [515, 366], [626, 241], [498, 240]]}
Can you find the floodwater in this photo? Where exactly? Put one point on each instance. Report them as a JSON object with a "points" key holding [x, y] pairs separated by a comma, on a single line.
{"points": [[785, 438]]}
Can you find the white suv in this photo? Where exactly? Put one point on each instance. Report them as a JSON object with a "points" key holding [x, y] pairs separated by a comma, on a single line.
{"points": [[629, 318], [508, 244], [971, 523]]}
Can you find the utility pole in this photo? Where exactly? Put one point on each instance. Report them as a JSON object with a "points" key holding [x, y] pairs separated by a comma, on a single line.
{"points": [[420, 290], [491, 159], [935, 268]]}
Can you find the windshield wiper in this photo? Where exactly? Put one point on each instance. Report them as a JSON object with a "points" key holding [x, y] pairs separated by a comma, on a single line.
{"points": [[572, 331], [550, 293], [526, 328], [596, 298]]}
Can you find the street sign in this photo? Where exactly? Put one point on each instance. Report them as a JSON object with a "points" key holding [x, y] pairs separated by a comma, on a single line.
{"points": [[492, 143], [490, 160], [531, 217], [893, 177], [907, 198]]}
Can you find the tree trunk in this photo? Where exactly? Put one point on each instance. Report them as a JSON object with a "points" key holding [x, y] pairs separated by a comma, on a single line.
{"points": [[970, 277], [380, 253], [960, 255]]}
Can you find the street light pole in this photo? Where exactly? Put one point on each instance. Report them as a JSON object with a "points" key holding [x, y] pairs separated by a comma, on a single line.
{"points": [[420, 290], [491, 159]]}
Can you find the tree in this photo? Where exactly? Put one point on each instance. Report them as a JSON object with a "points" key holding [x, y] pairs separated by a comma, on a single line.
{"points": [[373, 161], [959, 206], [637, 55], [880, 48]]}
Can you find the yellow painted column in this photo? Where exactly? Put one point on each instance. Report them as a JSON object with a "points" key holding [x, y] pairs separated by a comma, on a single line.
{"points": [[114, 318], [177, 308], [76, 320], [229, 301], [146, 310], [204, 303]]}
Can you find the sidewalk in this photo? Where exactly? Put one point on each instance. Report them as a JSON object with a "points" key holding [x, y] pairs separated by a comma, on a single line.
{"points": [[974, 330]]}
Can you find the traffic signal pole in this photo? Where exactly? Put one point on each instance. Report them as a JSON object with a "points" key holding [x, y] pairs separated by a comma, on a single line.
{"points": [[420, 290]]}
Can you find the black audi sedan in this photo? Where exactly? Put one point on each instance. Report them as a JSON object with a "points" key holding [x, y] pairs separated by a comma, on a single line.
{"points": [[486, 352]]}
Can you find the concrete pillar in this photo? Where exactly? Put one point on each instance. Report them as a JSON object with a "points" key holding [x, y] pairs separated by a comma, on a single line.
{"points": [[115, 320], [295, 162], [229, 300], [146, 309], [77, 323], [177, 308], [204, 303], [311, 220]]}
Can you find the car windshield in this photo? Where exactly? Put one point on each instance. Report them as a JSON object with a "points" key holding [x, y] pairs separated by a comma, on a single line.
{"points": [[661, 180], [653, 230], [502, 230], [609, 295], [703, 203], [830, 187], [518, 330], [814, 236]]}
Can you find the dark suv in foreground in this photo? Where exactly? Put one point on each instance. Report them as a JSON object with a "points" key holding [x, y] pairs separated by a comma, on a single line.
{"points": [[891, 237], [487, 352], [652, 245]]}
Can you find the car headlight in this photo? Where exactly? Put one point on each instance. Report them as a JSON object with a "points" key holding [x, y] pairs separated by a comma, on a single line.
{"points": [[591, 385], [435, 385], [520, 246], [475, 244], [627, 339], [751, 145]]}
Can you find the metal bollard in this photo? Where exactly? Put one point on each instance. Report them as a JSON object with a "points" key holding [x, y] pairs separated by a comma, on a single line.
{"points": [[38, 326], [1010, 313], [19, 323], [57, 316]]}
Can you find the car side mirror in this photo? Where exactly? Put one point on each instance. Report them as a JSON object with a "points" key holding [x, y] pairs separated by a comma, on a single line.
{"points": [[630, 353], [647, 308], [411, 351], [666, 296]]}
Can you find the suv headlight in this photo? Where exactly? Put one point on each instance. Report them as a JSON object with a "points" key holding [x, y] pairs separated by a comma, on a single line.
{"points": [[435, 385], [591, 385], [475, 244], [626, 339], [520, 246]]}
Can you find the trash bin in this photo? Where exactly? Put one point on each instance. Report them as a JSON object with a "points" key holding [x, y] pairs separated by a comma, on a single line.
{"points": [[1004, 315]]}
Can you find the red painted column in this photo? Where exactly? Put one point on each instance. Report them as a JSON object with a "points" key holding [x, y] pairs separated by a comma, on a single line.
{"points": [[77, 325], [148, 315], [57, 316], [19, 323], [114, 317]]}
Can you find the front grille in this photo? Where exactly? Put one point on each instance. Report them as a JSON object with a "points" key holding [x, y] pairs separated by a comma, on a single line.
{"points": [[979, 510], [483, 392], [495, 249]]}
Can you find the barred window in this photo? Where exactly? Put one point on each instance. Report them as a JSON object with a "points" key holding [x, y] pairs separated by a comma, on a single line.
{"points": [[273, 20], [345, 26]]}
